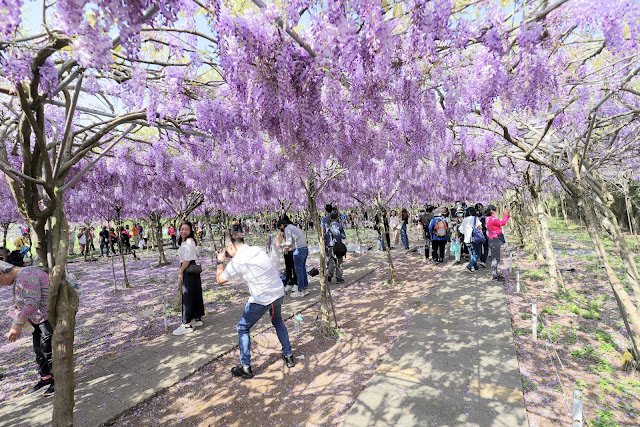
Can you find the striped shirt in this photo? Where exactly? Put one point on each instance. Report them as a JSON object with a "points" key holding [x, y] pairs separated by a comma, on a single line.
{"points": [[31, 293]]}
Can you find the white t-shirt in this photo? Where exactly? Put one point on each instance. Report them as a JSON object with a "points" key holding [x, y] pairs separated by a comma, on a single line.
{"points": [[187, 251], [254, 266], [83, 239], [466, 227]]}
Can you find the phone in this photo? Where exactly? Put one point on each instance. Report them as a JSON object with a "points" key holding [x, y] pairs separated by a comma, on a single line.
{"points": [[226, 253]]}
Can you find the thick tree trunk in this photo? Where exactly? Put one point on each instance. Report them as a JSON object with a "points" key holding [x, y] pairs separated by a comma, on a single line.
{"points": [[610, 224], [622, 297], [162, 259], [555, 278], [62, 309], [325, 315]]}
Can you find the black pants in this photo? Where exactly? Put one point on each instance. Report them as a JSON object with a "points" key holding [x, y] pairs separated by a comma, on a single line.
{"points": [[42, 334], [290, 271], [192, 302], [173, 241], [427, 246], [438, 246]]}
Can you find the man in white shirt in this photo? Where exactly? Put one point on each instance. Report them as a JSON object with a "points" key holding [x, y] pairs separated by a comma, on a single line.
{"points": [[266, 294]]}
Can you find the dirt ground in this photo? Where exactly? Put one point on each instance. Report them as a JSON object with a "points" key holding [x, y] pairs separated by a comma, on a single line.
{"points": [[584, 335], [330, 374]]}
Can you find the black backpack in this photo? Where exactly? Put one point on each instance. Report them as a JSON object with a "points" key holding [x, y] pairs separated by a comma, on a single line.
{"points": [[339, 249]]}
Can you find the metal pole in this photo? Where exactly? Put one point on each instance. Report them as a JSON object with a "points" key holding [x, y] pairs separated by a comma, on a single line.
{"points": [[518, 281], [577, 407], [534, 319], [164, 314], [510, 262]]}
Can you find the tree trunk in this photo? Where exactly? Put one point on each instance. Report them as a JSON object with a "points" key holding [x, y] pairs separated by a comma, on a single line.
{"points": [[162, 259], [622, 297], [325, 315], [62, 309], [564, 211], [543, 231], [610, 224], [5, 230], [382, 226]]}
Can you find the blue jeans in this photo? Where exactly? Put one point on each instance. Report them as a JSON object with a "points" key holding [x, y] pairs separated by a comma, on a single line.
{"points": [[251, 314], [300, 265], [474, 252], [485, 250], [404, 237]]}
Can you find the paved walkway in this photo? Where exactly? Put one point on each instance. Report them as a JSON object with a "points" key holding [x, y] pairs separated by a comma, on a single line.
{"points": [[455, 364], [114, 385]]}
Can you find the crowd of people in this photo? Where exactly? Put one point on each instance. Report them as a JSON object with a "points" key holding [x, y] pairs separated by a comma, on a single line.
{"points": [[471, 231], [474, 231]]}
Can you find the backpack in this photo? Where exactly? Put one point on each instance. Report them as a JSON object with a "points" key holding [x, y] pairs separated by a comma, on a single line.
{"points": [[476, 235], [440, 228], [339, 249]]}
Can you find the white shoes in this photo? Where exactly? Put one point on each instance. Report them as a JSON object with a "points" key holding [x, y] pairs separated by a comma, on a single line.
{"points": [[299, 294], [196, 323], [183, 329], [288, 288]]}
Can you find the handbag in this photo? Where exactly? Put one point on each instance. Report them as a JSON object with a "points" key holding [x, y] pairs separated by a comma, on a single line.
{"points": [[193, 268]]}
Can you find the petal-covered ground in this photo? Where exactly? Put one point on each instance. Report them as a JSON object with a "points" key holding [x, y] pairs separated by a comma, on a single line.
{"points": [[583, 337], [111, 321], [331, 371]]}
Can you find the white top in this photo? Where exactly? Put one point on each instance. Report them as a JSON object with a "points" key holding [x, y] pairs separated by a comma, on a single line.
{"points": [[83, 239], [394, 223], [294, 237], [187, 251], [466, 227], [254, 266]]}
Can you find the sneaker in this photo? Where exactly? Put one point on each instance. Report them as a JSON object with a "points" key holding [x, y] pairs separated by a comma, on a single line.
{"points": [[482, 264], [242, 371], [498, 278], [288, 288], [196, 322], [296, 294], [305, 292], [49, 391], [183, 329], [339, 280], [469, 269], [39, 386], [457, 263], [329, 278], [289, 360]]}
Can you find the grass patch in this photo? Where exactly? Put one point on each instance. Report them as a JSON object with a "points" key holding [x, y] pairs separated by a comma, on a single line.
{"points": [[534, 275], [551, 333], [604, 419], [587, 352], [550, 309], [603, 336]]}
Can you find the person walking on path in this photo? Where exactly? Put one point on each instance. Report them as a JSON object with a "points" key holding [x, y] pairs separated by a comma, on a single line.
{"points": [[438, 232], [467, 227], [30, 295], [496, 238], [385, 230], [480, 211], [394, 224], [325, 222], [253, 265], [82, 240], [172, 234], [72, 239], [135, 232], [335, 248], [404, 217], [294, 239], [191, 283], [425, 220], [289, 265], [104, 240]]}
